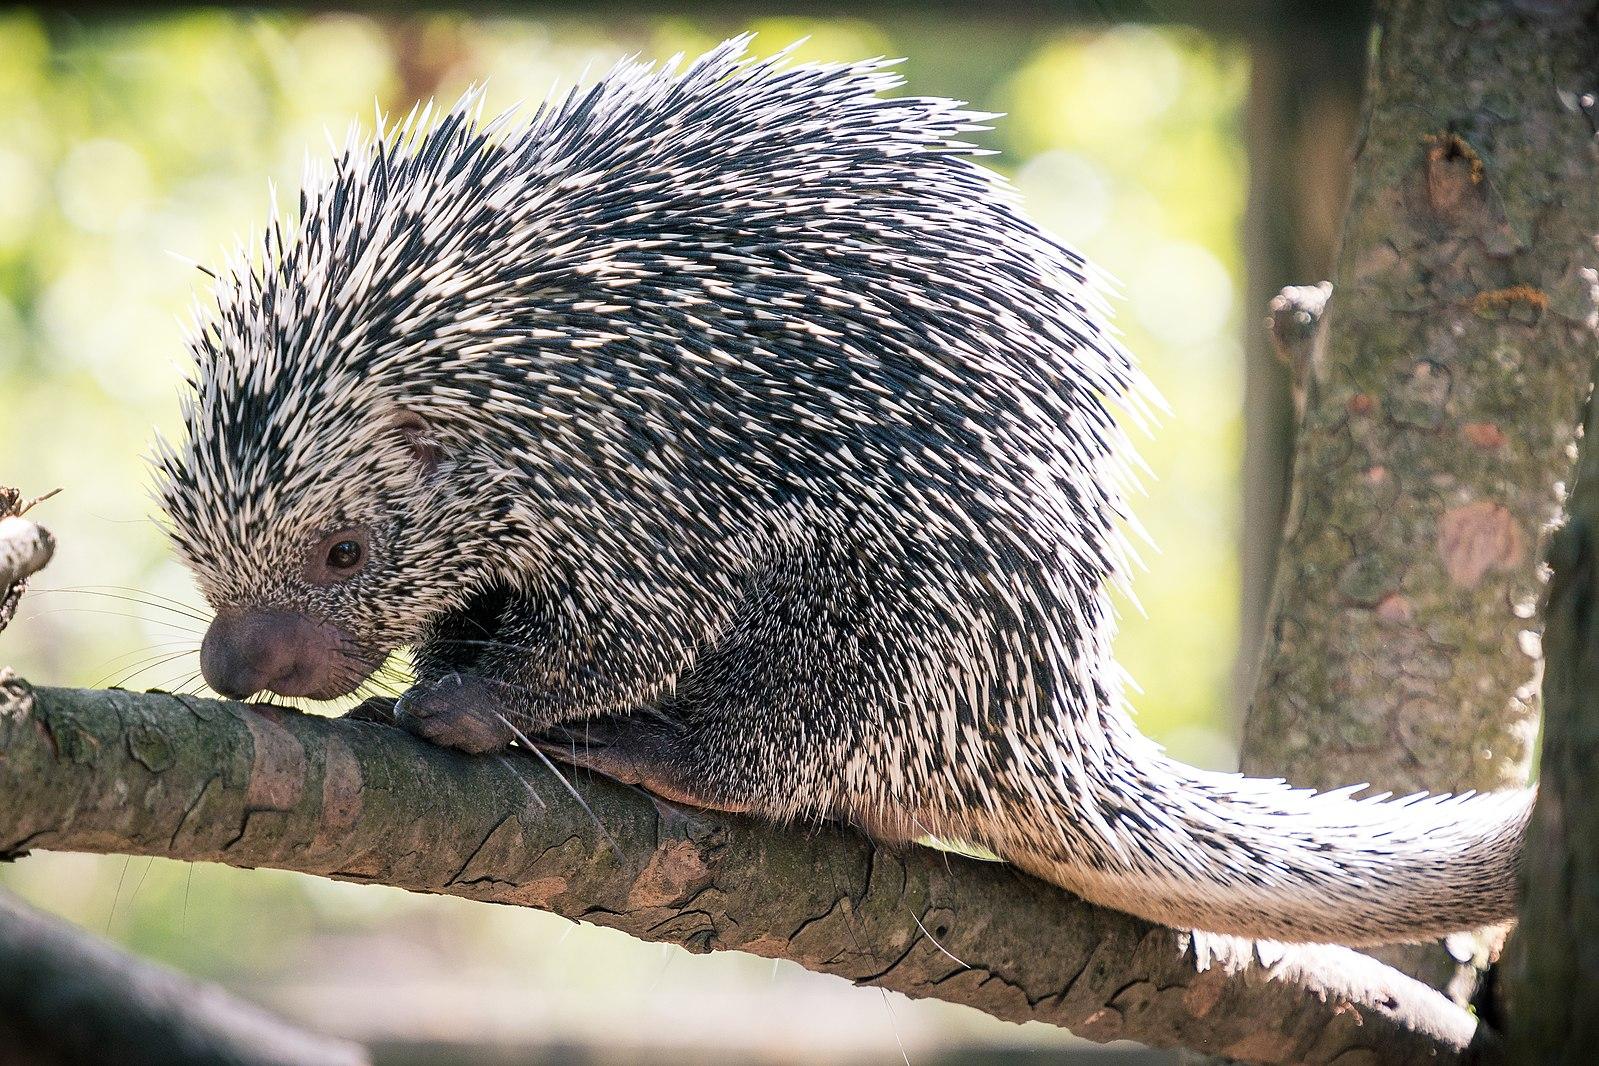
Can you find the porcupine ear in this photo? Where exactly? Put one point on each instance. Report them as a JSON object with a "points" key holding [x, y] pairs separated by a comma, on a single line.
{"points": [[413, 429]]}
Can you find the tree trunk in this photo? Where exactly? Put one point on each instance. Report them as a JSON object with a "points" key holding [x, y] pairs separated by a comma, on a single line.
{"points": [[1440, 414]]}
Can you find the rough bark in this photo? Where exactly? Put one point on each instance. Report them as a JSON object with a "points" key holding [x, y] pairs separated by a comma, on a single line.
{"points": [[1441, 413], [68, 999], [1553, 965], [153, 774]]}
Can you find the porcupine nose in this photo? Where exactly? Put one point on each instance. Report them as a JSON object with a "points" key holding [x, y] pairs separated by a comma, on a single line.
{"points": [[247, 651]]}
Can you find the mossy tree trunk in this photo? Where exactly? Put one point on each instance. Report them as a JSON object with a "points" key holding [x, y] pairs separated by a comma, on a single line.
{"points": [[1439, 410]]}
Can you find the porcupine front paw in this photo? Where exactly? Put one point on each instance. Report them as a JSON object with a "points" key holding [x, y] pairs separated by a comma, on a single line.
{"points": [[455, 712]]}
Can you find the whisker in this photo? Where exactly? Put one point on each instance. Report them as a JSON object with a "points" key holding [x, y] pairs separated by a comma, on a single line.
{"points": [[138, 668], [355, 675], [117, 896], [198, 610], [175, 685], [932, 939], [183, 921], [382, 686], [893, 1024], [389, 678], [116, 614], [140, 883], [158, 646], [545, 759], [531, 791], [88, 590]]}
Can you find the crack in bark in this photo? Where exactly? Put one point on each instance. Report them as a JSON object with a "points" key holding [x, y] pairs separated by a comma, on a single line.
{"points": [[188, 811], [808, 922], [455, 877], [875, 978]]}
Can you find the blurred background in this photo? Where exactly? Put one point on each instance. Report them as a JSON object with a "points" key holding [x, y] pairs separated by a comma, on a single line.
{"points": [[1198, 153]]}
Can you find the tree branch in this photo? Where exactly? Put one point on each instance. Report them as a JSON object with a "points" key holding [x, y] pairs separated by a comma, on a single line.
{"points": [[24, 549], [67, 997], [187, 778]]}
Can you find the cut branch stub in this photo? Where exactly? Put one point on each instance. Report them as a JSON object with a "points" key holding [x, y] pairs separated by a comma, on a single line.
{"points": [[25, 548]]}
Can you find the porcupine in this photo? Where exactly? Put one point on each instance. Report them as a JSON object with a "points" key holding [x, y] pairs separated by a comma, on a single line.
{"points": [[730, 429]]}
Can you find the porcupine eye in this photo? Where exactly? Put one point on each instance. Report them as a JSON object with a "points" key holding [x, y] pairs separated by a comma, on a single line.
{"points": [[345, 555], [338, 556]]}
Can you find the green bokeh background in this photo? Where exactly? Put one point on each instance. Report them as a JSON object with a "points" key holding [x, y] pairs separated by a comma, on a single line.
{"points": [[130, 150]]}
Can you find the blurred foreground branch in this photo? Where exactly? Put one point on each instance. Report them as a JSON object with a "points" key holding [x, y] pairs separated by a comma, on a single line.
{"points": [[67, 997], [203, 780]]}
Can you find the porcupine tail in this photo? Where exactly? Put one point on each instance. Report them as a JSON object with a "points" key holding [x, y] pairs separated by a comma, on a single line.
{"points": [[1253, 857]]}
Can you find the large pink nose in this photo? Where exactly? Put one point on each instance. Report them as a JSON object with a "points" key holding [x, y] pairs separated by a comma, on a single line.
{"points": [[249, 651]]}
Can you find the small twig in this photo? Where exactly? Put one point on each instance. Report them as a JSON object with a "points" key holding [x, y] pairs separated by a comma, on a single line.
{"points": [[1294, 325]]}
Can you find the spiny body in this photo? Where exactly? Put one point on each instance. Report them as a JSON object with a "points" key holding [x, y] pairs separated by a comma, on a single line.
{"points": [[738, 420]]}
